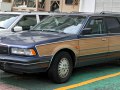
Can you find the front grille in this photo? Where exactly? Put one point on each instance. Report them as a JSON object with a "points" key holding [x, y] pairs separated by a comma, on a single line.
{"points": [[3, 49]]}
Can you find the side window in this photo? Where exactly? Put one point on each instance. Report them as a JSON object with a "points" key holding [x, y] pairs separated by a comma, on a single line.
{"points": [[68, 2], [113, 25], [42, 17], [27, 21], [97, 26], [71, 2]]}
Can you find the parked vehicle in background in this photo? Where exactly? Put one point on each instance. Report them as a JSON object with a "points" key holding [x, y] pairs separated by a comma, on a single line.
{"points": [[60, 43], [20, 20]]}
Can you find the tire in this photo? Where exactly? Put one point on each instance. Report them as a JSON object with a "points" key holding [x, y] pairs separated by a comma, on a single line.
{"points": [[61, 68]]}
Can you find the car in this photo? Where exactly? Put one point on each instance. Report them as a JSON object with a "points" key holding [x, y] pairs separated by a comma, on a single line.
{"points": [[60, 43], [20, 20]]}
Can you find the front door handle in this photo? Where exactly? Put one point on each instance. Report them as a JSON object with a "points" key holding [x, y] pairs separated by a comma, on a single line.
{"points": [[104, 39]]}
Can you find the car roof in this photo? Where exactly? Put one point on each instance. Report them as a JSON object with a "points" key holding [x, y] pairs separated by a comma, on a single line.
{"points": [[86, 14], [97, 13], [29, 13], [65, 13], [40, 13]]}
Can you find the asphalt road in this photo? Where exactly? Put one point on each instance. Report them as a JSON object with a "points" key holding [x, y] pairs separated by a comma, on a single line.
{"points": [[77, 81]]}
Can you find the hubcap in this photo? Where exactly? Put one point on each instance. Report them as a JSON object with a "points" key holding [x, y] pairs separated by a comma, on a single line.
{"points": [[63, 67]]}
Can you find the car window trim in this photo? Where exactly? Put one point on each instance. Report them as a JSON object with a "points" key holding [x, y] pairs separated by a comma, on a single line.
{"points": [[89, 19]]}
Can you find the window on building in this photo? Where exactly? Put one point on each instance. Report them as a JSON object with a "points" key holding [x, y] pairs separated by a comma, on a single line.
{"points": [[68, 1], [72, 2], [41, 3], [9, 1], [25, 3], [113, 25], [55, 5]]}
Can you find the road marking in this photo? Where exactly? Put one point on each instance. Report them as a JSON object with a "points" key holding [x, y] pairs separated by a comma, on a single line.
{"points": [[88, 81]]}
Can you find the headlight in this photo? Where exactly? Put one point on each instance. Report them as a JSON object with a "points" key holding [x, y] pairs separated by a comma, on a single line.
{"points": [[21, 51]]}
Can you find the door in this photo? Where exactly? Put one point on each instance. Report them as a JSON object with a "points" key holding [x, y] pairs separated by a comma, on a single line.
{"points": [[94, 45], [113, 27]]}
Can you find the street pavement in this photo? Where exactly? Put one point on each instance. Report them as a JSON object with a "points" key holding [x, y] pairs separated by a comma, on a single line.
{"points": [[41, 82]]}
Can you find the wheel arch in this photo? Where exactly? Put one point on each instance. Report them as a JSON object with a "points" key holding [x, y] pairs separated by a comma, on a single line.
{"points": [[71, 52]]}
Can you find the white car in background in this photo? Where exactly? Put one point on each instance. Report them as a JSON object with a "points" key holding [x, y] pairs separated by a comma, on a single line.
{"points": [[10, 21]]}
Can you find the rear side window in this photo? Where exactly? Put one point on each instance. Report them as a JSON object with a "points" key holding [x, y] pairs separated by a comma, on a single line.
{"points": [[113, 25]]}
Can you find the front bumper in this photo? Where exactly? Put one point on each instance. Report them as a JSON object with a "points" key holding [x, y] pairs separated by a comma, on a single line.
{"points": [[22, 64]]}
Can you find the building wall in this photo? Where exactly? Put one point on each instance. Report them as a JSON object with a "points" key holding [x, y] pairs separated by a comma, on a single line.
{"points": [[87, 6], [107, 5], [47, 5], [69, 8], [5, 5]]}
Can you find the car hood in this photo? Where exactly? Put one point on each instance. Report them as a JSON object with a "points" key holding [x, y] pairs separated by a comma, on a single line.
{"points": [[29, 37]]}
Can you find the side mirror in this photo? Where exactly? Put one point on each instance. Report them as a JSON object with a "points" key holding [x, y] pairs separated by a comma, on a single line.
{"points": [[86, 31], [18, 28], [31, 27]]}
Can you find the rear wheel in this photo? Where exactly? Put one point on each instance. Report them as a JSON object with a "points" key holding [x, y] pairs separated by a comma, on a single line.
{"points": [[61, 68]]}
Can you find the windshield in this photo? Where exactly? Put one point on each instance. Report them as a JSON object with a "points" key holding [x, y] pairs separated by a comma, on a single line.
{"points": [[66, 24], [6, 20]]}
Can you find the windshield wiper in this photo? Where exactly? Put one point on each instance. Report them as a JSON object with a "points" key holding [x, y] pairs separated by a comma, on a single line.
{"points": [[49, 30], [2, 27], [45, 30], [52, 30]]}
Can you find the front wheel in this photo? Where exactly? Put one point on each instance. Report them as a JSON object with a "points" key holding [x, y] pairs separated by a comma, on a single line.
{"points": [[61, 68]]}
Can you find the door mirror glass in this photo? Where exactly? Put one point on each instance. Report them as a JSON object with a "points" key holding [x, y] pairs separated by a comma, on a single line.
{"points": [[86, 31], [18, 28]]}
